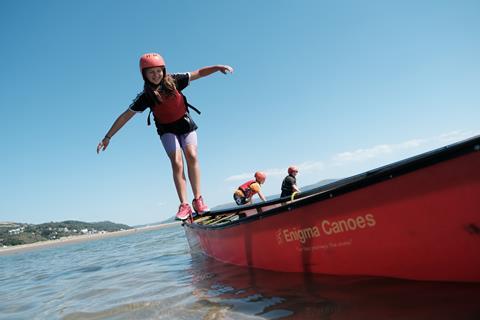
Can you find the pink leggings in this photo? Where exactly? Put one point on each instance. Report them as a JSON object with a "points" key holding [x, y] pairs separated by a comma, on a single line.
{"points": [[172, 142]]}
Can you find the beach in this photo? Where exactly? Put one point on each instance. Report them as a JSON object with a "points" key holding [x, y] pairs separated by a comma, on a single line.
{"points": [[82, 238]]}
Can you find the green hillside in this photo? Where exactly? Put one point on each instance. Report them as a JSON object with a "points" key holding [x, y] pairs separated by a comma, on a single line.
{"points": [[13, 233]]}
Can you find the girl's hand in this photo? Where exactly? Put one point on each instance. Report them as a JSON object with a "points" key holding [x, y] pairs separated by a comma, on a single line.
{"points": [[225, 69], [103, 144]]}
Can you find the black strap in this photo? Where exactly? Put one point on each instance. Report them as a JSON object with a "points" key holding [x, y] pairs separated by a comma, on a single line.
{"points": [[189, 105], [148, 118], [194, 109]]}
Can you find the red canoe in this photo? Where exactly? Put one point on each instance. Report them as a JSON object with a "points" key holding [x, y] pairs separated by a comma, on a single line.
{"points": [[415, 219]]}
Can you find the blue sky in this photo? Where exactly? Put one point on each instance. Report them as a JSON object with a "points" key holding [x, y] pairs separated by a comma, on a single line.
{"points": [[335, 87]]}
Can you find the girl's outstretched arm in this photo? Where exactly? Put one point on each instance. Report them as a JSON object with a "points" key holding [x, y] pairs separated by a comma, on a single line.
{"points": [[203, 72], [117, 125]]}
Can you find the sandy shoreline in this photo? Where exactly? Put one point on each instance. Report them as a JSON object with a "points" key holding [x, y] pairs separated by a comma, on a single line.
{"points": [[81, 238]]}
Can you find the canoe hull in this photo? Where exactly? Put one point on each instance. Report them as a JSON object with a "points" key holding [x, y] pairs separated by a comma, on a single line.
{"points": [[422, 225]]}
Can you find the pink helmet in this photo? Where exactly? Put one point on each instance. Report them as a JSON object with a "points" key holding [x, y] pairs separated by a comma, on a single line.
{"points": [[292, 169], [150, 60], [260, 176]]}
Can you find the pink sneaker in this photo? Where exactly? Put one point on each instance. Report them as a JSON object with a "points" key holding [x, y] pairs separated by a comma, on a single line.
{"points": [[199, 206], [184, 211]]}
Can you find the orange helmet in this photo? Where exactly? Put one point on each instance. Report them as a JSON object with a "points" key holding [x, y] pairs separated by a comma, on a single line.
{"points": [[150, 60], [292, 169], [260, 176]]}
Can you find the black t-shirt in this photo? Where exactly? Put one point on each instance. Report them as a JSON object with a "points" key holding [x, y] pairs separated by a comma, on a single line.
{"points": [[287, 185], [143, 102]]}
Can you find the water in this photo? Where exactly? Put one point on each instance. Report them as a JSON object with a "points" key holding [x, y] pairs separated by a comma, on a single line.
{"points": [[152, 275]]}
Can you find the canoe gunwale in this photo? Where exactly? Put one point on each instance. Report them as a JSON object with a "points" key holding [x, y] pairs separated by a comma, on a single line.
{"points": [[346, 185]]}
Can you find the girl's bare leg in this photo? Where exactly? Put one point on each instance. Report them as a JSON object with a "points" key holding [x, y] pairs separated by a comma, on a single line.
{"points": [[193, 168], [176, 161]]}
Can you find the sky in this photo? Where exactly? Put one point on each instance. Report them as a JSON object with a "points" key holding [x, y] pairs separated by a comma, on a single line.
{"points": [[334, 87]]}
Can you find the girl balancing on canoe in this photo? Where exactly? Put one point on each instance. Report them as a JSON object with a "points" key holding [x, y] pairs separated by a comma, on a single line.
{"points": [[162, 93]]}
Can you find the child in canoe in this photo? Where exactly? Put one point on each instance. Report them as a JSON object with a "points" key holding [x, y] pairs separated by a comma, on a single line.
{"points": [[245, 192]]}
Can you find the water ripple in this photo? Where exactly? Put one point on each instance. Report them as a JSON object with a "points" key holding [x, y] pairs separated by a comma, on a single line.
{"points": [[152, 275]]}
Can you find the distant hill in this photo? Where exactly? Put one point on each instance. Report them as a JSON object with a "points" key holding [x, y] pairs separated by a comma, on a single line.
{"points": [[13, 233], [232, 204], [72, 224], [276, 196], [318, 184], [169, 220]]}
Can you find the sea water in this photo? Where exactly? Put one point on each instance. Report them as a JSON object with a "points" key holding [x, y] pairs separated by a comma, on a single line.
{"points": [[153, 275]]}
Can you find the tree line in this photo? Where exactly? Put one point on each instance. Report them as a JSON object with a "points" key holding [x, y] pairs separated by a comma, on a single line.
{"points": [[12, 234]]}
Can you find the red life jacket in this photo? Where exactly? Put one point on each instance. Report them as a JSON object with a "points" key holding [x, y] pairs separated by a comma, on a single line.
{"points": [[247, 191], [171, 109], [176, 109]]}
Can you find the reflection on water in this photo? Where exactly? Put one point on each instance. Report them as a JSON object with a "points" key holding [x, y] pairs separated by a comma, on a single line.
{"points": [[273, 295], [152, 275]]}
